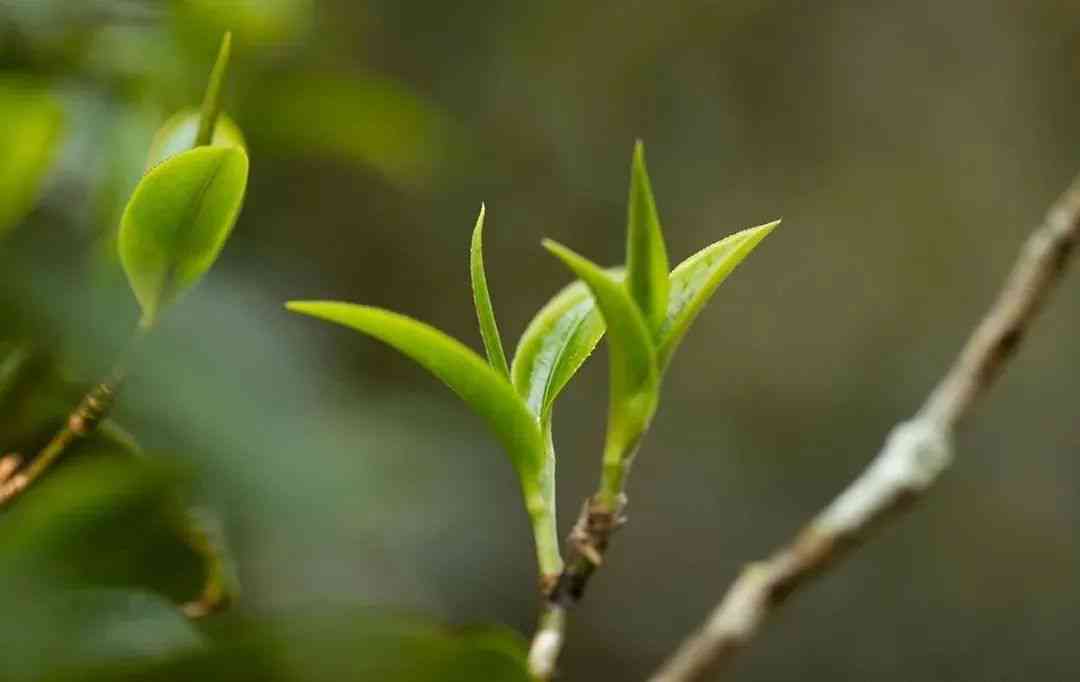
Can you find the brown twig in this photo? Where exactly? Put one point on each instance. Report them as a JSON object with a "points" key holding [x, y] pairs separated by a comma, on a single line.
{"points": [[914, 455], [82, 422], [585, 548]]}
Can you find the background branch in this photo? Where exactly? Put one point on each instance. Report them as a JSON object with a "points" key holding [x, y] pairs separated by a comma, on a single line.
{"points": [[914, 455]]}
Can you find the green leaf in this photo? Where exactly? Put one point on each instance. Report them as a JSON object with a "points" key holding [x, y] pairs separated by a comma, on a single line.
{"points": [[488, 393], [211, 105], [178, 135], [177, 222], [29, 136], [404, 136], [695, 280], [646, 255], [485, 314], [346, 645], [556, 343], [634, 377]]}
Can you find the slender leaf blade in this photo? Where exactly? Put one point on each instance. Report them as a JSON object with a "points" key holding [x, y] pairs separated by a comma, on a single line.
{"points": [[177, 222], [694, 281], [556, 343], [483, 389], [646, 255], [211, 105], [634, 382], [485, 313]]}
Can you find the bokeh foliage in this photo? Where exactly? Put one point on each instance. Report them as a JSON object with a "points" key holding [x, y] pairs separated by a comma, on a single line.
{"points": [[907, 147]]}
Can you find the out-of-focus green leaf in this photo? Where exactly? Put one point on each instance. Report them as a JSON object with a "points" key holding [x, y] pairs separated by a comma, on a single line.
{"points": [[695, 280], [65, 633], [556, 343], [30, 127], [485, 313], [211, 105], [348, 646], [378, 646], [646, 255], [634, 376], [371, 120], [486, 391], [177, 222], [178, 134], [264, 24]]}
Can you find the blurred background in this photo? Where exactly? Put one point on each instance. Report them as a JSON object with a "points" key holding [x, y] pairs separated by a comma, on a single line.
{"points": [[909, 147]]}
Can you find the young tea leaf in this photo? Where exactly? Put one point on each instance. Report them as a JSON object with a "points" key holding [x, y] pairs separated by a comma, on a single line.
{"points": [[178, 135], [556, 343], [486, 391], [694, 281], [485, 314], [646, 255], [634, 377], [211, 105], [177, 221]]}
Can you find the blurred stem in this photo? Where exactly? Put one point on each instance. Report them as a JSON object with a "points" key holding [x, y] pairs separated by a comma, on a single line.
{"points": [[211, 106], [82, 422], [548, 642], [205, 536]]}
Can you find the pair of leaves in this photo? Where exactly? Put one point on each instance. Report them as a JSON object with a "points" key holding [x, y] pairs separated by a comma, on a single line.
{"points": [[183, 210], [484, 386]]}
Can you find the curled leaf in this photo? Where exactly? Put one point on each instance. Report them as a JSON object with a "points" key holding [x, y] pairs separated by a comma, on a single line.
{"points": [[694, 281], [177, 222], [485, 313], [482, 388], [646, 255], [556, 343]]}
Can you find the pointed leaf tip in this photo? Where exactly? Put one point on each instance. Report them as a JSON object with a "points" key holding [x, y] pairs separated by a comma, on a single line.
{"points": [[211, 106], [646, 254], [695, 280], [485, 312]]}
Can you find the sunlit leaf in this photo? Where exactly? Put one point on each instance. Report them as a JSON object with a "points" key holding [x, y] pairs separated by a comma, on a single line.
{"points": [[486, 391], [177, 221], [694, 281], [646, 255], [178, 134], [556, 343], [634, 376], [485, 313], [30, 127]]}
